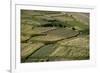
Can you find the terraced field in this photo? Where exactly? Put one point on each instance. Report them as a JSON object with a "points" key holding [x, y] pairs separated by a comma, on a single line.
{"points": [[54, 36]]}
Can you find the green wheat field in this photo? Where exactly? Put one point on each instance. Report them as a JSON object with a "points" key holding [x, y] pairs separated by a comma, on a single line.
{"points": [[48, 36]]}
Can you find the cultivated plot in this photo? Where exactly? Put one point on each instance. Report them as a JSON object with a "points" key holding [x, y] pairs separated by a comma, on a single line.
{"points": [[54, 36]]}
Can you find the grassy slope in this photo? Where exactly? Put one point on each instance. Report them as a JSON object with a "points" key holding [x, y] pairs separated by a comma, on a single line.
{"points": [[66, 49]]}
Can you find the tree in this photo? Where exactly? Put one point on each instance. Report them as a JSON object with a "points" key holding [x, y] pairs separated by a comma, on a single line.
{"points": [[73, 28]]}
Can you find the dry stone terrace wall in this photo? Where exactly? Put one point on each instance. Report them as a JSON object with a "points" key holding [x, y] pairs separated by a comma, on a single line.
{"points": [[54, 36]]}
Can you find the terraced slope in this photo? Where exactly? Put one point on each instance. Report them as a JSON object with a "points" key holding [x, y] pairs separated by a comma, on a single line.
{"points": [[29, 49], [68, 48], [54, 36], [43, 53], [38, 31]]}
